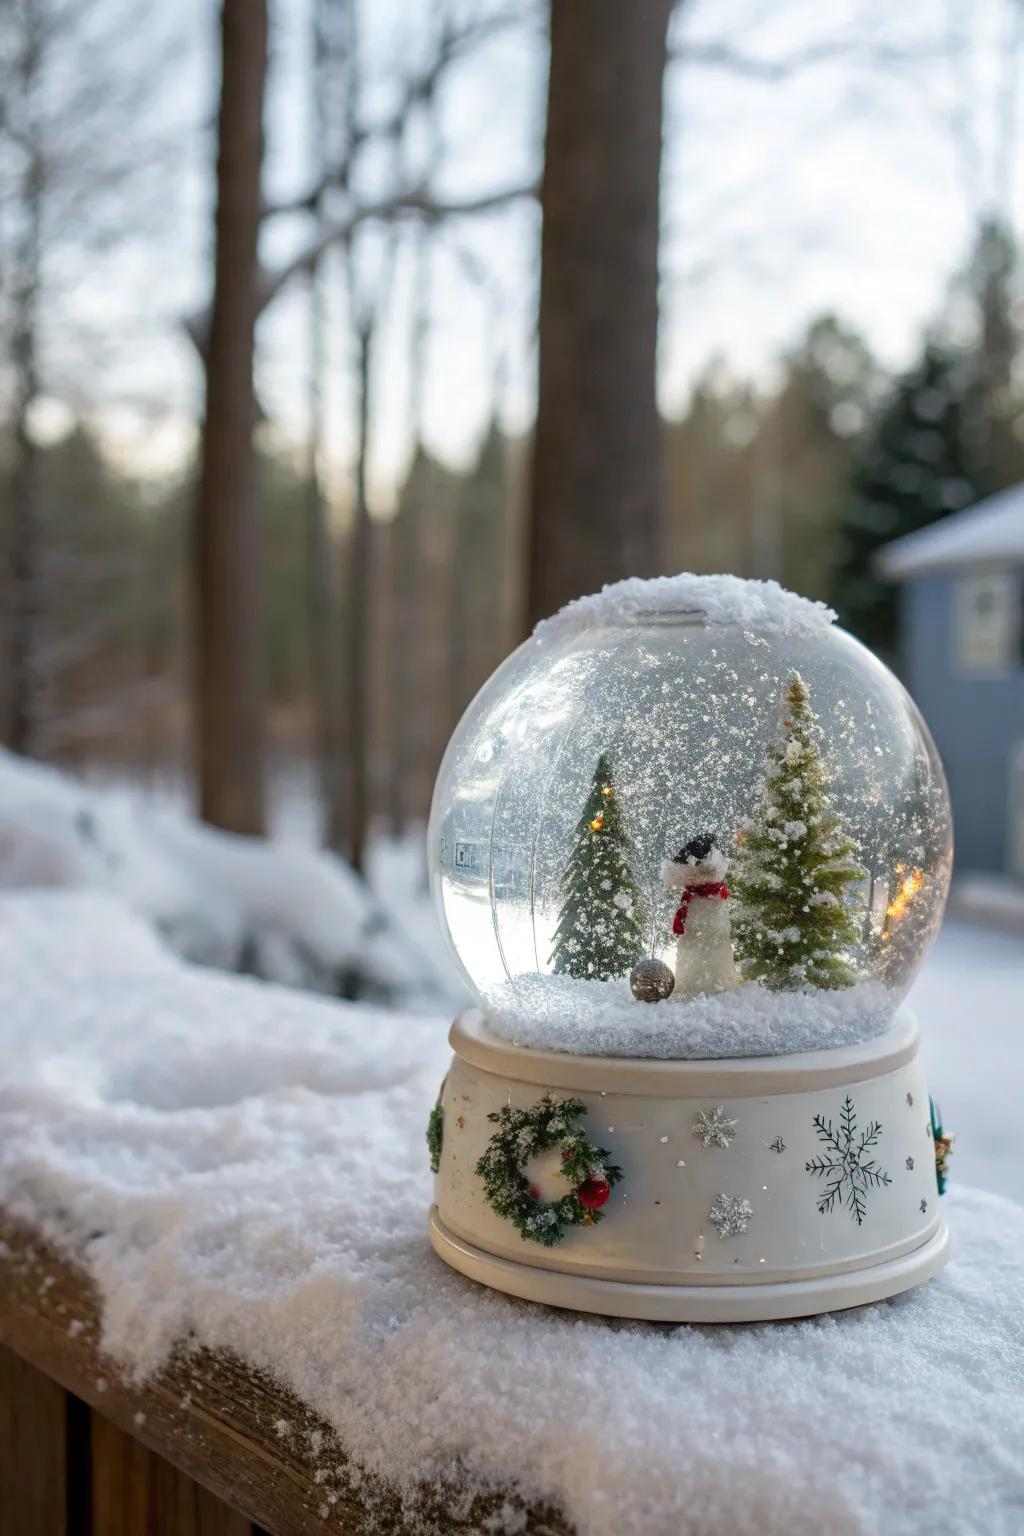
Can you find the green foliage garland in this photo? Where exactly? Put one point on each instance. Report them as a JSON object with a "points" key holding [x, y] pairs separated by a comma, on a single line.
{"points": [[524, 1133], [435, 1136], [793, 927], [600, 932]]}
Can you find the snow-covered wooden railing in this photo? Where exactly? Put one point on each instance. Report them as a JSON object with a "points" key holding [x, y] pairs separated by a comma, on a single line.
{"points": [[207, 1445], [229, 1164]]}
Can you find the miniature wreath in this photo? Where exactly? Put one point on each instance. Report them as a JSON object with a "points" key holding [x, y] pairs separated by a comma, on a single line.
{"points": [[524, 1133]]}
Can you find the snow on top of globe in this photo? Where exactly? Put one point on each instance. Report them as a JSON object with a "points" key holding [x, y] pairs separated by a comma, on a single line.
{"points": [[757, 605]]}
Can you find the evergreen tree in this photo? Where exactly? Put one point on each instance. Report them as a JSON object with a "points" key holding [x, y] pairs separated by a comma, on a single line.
{"points": [[600, 926], [757, 482], [793, 863], [949, 434], [918, 463], [987, 290], [803, 454], [482, 614]]}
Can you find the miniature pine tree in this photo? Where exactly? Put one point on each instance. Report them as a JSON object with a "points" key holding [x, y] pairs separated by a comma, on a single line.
{"points": [[792, 865], [600, 925]]}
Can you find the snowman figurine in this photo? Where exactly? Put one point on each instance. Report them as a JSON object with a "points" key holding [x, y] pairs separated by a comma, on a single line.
{"points": [[704, 958]]}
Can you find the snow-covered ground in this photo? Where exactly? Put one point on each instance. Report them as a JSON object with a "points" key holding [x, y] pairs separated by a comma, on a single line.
{"points": [[247, 1164], [282, 910], [970, 1001]]}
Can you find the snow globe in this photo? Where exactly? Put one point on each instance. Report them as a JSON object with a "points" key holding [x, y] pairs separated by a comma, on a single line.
{"points": [[690, 845]]}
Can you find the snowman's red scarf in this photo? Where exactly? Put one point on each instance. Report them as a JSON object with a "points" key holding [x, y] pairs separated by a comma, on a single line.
{"points": [[715, 888]]}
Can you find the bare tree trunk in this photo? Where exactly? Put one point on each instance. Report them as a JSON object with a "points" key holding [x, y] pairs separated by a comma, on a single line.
{"points": [[405, 592], [404, 609], [596, 487], [356, 657], [324, 643], [228, 695], [26, 511]]}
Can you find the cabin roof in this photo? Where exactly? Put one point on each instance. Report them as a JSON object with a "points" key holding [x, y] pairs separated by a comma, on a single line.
{"points": [[989, 533]]}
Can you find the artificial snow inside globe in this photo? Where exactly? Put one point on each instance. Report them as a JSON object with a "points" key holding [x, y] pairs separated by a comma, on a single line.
{"points": [[690, 845]]}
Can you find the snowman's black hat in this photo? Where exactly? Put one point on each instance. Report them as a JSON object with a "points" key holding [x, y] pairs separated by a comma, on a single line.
{"points": [[697, 849]]}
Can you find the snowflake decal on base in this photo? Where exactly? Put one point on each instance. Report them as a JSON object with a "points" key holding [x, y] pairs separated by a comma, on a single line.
{"points": [[714, 1128], [729, 1215], [848, 1170]]}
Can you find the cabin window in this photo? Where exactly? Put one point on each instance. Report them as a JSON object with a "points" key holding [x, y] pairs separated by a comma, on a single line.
{"points": [[988, 631]]}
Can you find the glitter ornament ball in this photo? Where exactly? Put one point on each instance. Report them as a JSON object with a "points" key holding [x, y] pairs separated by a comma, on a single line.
{"points": [[705, 773], [651, 981]]}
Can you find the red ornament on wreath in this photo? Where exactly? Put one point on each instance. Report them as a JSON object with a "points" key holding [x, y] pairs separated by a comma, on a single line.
{"points": [[594, 1192]]}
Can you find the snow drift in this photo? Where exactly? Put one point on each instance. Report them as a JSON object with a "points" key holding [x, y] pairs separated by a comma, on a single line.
{"points": [[286, 914]]}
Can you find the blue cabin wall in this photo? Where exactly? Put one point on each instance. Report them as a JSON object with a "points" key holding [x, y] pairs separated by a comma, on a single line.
{"points": [[977, 722]]}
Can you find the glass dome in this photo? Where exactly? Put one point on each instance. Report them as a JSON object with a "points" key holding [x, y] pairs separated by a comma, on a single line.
{"points": [[690, 817]]}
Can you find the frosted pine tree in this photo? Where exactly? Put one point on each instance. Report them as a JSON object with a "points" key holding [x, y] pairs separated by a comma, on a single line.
{"points": [[792, 866], [601, 922]]}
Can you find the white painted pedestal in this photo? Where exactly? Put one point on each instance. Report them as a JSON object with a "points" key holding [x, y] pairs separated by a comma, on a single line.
{"points": [[657, 1254]]}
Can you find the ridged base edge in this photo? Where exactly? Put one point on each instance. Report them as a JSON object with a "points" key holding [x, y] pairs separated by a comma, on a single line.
{"points": [[693, 1303]]}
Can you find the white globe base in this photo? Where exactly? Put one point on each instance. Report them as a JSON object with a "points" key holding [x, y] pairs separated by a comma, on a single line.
{"points": [[747, 1135], [771, 1302]]}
